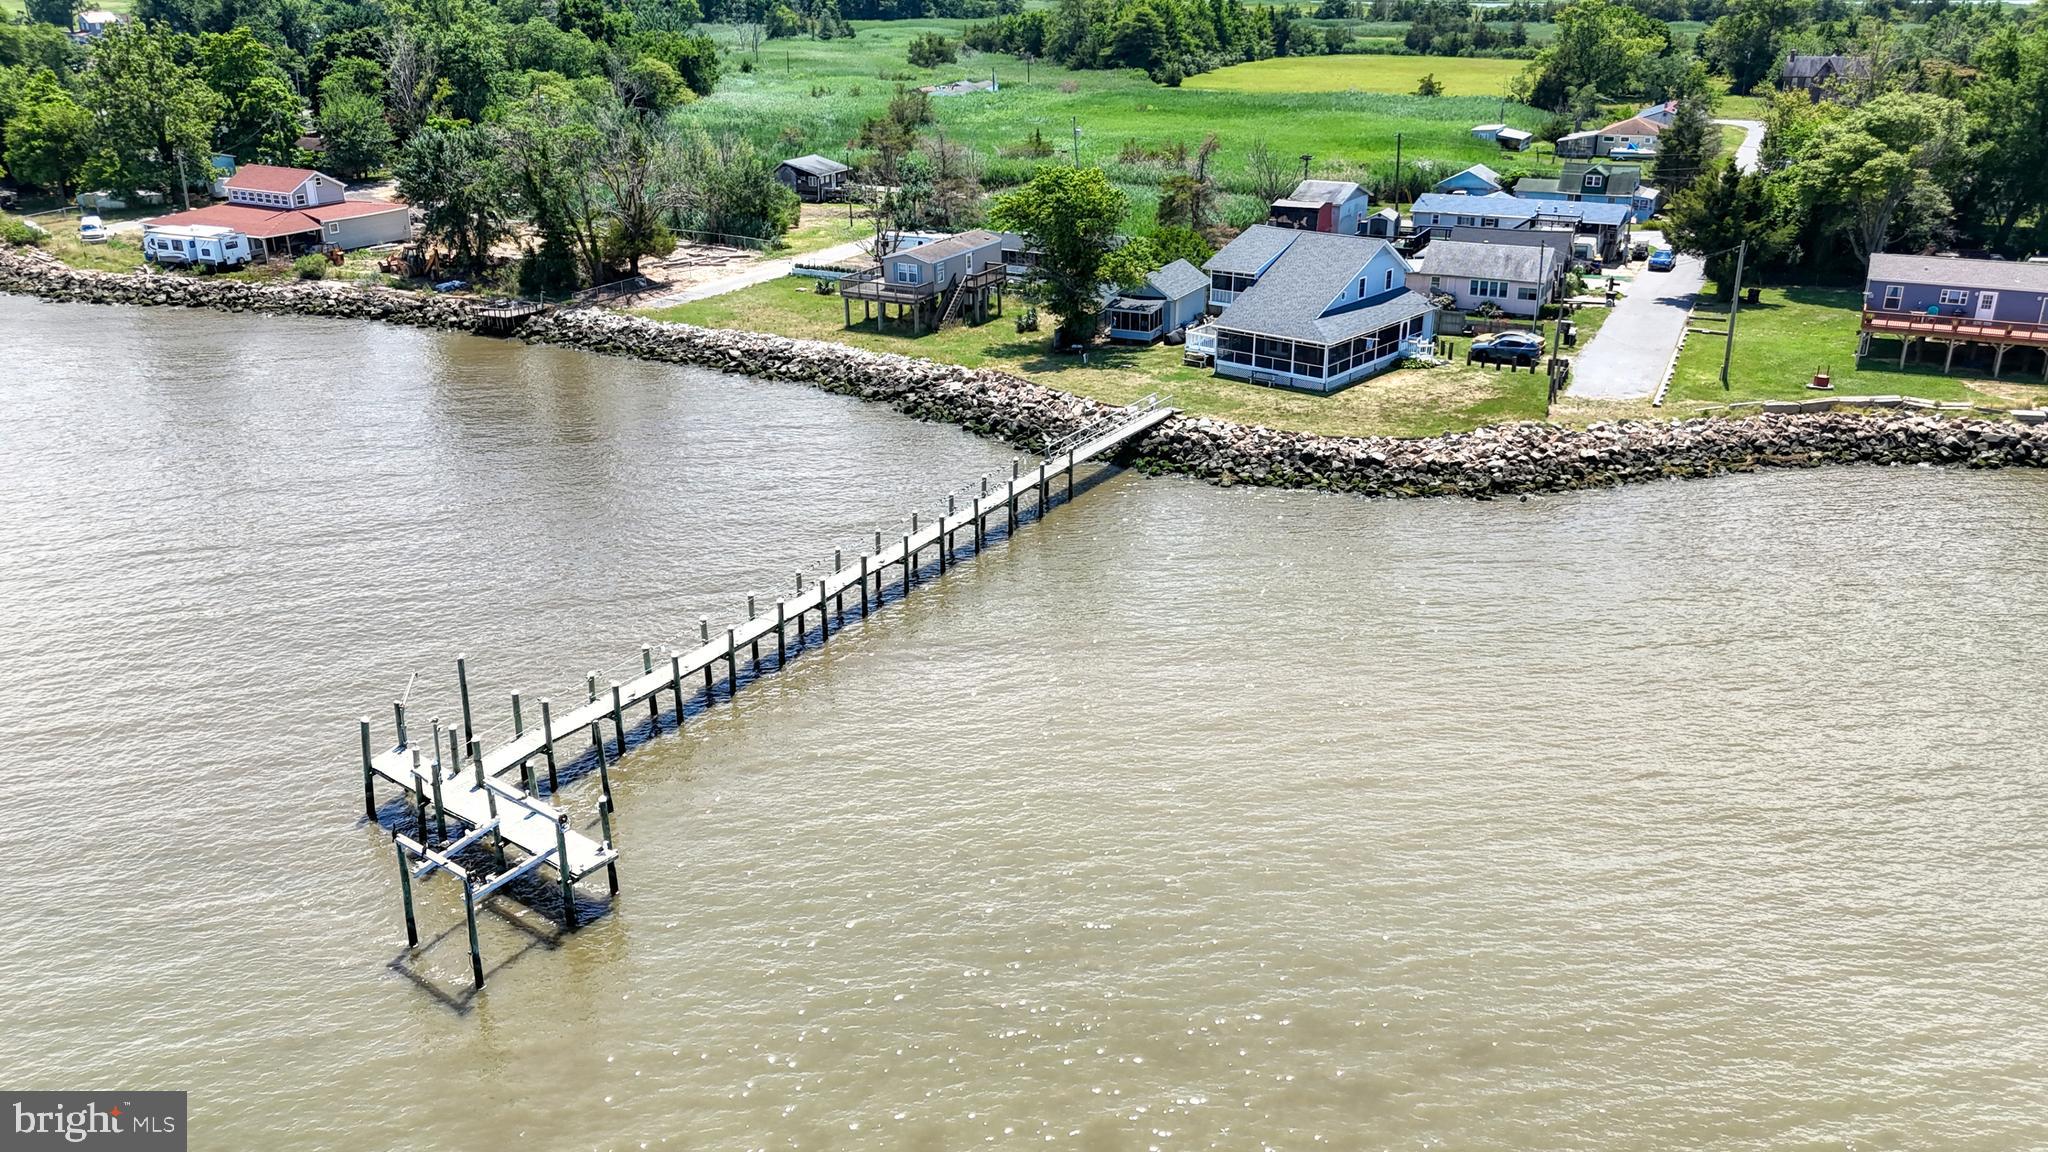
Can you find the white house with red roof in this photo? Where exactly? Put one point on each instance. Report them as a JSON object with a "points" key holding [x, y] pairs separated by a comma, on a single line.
{"points": [[287, 210]]}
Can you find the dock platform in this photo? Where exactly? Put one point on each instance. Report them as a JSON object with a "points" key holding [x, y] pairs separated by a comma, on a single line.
{"points": [[458, 780]]}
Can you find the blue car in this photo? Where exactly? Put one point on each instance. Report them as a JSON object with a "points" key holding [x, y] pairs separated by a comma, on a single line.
{"points": [[1663, 260]]}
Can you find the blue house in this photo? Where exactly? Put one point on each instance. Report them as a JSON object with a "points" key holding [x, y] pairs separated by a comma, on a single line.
{"points": [[1607, 225], [1999, 305], [1170, 299], [1478, 180], [1320, 312]]}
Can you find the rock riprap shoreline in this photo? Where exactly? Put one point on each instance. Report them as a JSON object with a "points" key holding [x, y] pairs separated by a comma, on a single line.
{"points": [[1505, 459]]}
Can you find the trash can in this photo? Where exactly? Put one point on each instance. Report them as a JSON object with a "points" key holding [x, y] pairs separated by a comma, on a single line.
{"points": [[1752, 295]]}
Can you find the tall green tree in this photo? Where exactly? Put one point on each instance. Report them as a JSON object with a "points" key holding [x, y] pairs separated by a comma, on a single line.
{"points": [[353, 128], [1070, 215], [151, 114], [1713, 217], [49, 135], [1893, 153], [1599, 45], [57, 12], [2009, 124], [260, 114], [1750, 40], [1687, 147], [453, 176]]}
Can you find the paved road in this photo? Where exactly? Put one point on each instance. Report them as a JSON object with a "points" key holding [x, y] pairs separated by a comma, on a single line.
{"points": [[761, 273], [1627, 358], [1748, 153]]}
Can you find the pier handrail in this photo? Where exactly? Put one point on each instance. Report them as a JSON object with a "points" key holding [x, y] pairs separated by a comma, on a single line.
{"points": [[1098, 426]]}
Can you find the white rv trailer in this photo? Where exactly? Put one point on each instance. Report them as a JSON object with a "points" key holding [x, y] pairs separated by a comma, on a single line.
{"points": [[206, 244]]}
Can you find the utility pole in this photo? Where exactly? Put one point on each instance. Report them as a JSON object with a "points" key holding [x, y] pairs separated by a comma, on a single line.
{"points": [[184, 187], [1397, 185], [1077, 140], [1734, 306]]}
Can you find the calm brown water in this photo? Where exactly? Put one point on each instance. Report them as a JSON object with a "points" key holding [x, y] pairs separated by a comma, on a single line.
{"points": [[1691, 816]]}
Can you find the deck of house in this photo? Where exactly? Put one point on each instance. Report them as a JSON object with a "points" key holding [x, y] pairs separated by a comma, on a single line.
{"points": [[1954, 331]]}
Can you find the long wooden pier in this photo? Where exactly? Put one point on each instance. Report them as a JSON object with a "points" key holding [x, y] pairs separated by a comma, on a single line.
{"points": [[458, 782]]}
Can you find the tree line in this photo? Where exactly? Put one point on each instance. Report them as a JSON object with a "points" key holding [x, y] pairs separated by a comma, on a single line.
{"points": [[1168, 39], [1899, 160], [554, 131]]}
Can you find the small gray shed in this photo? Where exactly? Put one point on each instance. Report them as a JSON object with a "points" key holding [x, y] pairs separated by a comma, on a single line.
{"points": [[1171, 298]]}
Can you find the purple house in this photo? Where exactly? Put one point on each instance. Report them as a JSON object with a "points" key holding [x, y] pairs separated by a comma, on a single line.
{"points": [[2001, 305]]}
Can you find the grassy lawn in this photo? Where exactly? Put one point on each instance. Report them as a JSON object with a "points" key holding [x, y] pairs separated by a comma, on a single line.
{"points": [[826, 226], [119, 253], [812, 96], [1741, 107], [1781, 342], [1397, 75], [1411, 402]]}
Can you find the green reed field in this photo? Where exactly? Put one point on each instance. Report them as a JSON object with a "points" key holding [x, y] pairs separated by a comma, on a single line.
{"points": [[812, 96], [1395, 75]]}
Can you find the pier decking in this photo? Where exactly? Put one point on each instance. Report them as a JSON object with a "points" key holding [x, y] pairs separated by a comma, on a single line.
{"points": [[458, 780]]}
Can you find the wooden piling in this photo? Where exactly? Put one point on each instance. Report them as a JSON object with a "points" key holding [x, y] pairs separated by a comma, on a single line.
{"points": [[618, 718], [907, 564], [398, 713], [839, 597], [945, 534], [596, 736], [440, 814], [547, 735], [704, 634], [781, 641], [675, 671], [1010, 494], [412, 927], [462, 679], [755, 649], [369, 784], [732, 667], [476, 958], [419, 795], [647, 667], [864, 586], [562, 868], [1070, 475], [604, 777]]}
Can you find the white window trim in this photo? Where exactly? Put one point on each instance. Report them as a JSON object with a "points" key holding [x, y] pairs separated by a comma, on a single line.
{"points": [[1955, 296], [1894, 297]]}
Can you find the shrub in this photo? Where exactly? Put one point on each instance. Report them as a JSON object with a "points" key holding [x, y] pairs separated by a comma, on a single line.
{"points": [[930, 49], [311, 266], [19, 232]]}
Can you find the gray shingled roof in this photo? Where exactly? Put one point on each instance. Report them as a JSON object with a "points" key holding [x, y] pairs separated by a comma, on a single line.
{"points": [[1959, 272], [817, 165], [1291, 300], [1323, 192], [1254, 248], [1798, 67], [1521, 263], [1177, 279], [953, 245], [1479, 170]]}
